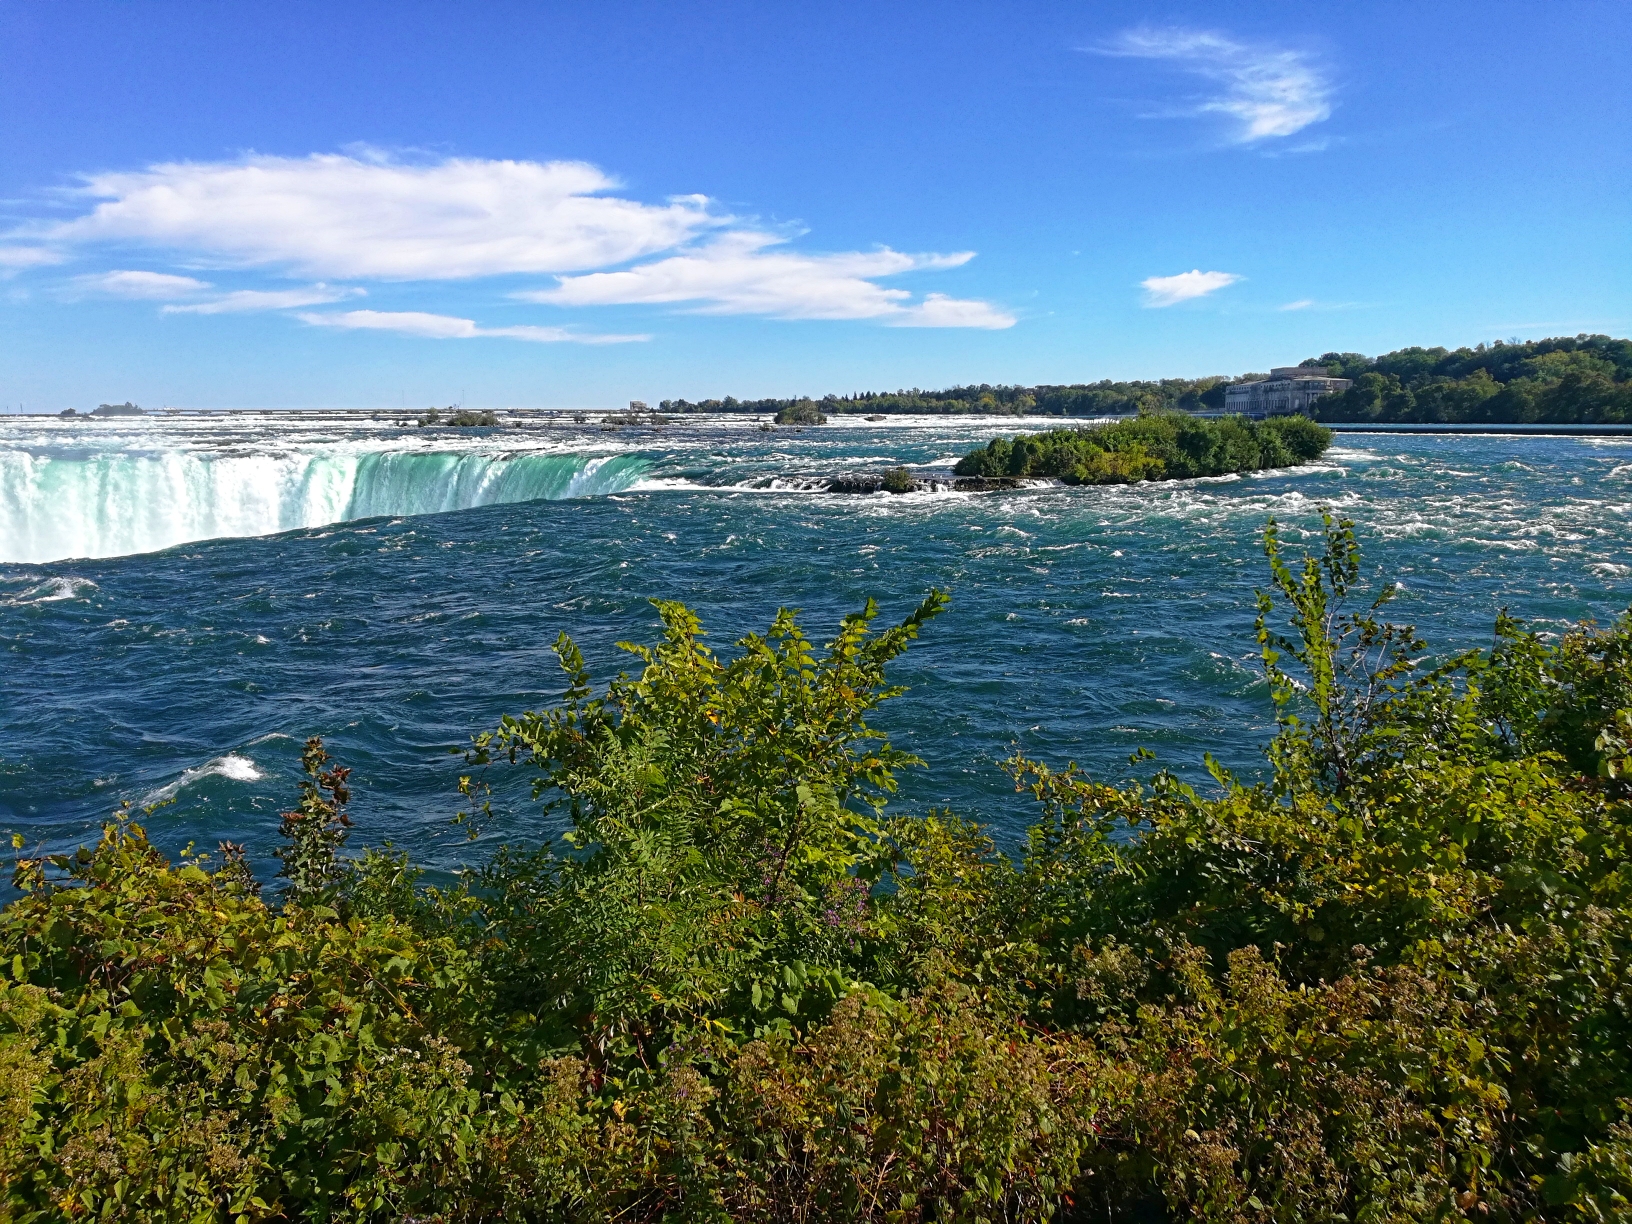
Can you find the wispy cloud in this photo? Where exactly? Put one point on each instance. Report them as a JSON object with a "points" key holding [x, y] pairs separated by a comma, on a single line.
{"points": [[143, 286], [1574, 325], [176, 290], [1316, 304], [16, 258], [939, 310], [742, 273], [448, 327], [1265, 92], [240, 300], [1171, 290]]}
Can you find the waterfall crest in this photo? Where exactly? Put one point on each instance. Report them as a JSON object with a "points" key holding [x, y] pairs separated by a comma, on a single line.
{"points": [[110, 504]]}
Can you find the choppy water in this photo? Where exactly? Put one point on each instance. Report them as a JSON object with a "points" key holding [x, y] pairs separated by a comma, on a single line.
{"points": [[1085, 622]]}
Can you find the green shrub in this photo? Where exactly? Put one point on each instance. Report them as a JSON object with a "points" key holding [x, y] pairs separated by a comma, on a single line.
{"points": [[898, 480], [800, 412], [725, 834], [181, 1049], [1387, 983]]}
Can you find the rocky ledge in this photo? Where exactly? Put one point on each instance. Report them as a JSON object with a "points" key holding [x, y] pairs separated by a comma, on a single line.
{"points": [[899, 480], [987, 484]]}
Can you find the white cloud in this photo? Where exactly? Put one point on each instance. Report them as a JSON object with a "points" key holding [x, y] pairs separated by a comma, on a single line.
{"points": [[266, 299], [362, 215], [1267, 92], [1170, 290], [408, 322], [1300, 304], [18, 257], [938, 310], [447, 327], [148, 286], [165, 287], [330, 215], [737, 274]]}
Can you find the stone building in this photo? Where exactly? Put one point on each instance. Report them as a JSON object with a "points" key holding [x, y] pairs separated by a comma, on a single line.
{"points": [[1288, 389]]}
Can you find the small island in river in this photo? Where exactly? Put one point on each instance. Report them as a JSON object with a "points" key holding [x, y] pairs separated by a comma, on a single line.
{"points": [[1156, 446]]}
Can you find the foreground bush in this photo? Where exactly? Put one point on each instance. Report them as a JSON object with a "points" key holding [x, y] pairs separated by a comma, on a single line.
{"points": [[1156, 446], [1388, 983]]}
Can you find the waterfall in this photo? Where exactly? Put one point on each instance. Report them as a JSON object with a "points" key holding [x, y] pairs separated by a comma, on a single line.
{"points": [[111, 503]]}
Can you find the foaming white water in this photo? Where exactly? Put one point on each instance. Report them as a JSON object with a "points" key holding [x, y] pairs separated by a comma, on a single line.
{"points": [[52, 590], [233, 767], [95, 493], [111, 504]]}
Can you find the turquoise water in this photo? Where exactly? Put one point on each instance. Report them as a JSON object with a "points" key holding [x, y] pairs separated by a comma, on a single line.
{"points": [[396, 591]]}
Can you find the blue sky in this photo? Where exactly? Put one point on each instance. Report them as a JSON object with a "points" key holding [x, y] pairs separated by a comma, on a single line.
{"points": [[528, 204]]}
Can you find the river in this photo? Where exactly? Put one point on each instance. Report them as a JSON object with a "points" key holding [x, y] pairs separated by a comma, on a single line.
{"points": [[184, 599]]}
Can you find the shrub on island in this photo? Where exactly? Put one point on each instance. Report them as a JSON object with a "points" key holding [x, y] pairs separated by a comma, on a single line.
{"points": [[899, 480], [1157, 446], [800, 412], [1387, 982]]}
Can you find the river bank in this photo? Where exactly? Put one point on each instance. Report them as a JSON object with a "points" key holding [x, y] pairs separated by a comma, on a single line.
{"points": [[1515, 431]]}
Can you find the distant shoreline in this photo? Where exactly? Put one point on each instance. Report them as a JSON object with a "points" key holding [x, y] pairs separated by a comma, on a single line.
{"points": [[563, 415], [1571, 431]]}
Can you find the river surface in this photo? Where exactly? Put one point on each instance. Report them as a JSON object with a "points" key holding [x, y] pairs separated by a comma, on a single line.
{"points": [[184, 599]]}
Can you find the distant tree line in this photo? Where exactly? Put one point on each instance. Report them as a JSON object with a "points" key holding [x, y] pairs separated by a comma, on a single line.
{"points": [[1105, 398], [1567, 380]]}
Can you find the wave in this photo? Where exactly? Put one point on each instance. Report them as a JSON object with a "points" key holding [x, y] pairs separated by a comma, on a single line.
{"points": [[52, 590], [940, 486], [231, 766], [113, 504]]}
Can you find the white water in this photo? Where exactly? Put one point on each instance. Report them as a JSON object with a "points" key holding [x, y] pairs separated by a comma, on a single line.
{"points": [[84, 489], [52, 590], [232, 766]]}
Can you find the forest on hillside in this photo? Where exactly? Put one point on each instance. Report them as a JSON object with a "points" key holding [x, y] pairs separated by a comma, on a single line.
{"points": [[1581, 379], [1566, 379]]}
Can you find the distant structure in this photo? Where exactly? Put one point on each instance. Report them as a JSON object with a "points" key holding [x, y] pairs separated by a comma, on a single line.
{"points": [[125, 409], [1287, 390]]}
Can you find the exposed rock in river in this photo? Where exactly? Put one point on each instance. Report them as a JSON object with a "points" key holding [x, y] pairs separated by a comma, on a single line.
{"points": [[898, 480]]}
